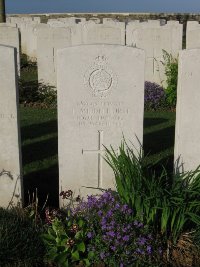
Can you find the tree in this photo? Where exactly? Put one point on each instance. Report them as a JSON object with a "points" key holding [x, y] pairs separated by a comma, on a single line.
{"points": [[2, 11]]}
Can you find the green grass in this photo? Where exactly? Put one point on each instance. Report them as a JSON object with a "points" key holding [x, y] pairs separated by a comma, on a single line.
{"points": [[40, 152]]}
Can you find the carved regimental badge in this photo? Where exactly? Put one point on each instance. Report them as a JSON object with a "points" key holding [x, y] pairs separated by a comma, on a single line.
{"points": [[99, 78]]}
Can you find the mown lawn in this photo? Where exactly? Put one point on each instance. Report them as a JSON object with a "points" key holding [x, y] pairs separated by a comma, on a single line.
{"points": [[40, 152]]}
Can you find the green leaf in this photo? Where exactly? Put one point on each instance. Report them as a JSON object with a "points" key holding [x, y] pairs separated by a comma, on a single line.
{"points": [[91, 255], [75, 255], [61, 258], [87, 262], [81, 247], [47, 237], [80, 223]]}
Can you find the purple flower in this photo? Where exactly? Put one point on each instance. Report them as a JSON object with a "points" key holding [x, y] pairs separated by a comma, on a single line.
{"points": [[139, 251], [117, 206], [125, 208], [125, 238], [109, 214], [113, 248], [149, 249], [142, 240], [100, 213], [102, 255], [111, 234], [89, 235]]}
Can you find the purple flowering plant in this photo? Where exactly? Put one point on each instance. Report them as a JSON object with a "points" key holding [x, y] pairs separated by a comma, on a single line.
{"points": [[154, 96], [115, 236]]}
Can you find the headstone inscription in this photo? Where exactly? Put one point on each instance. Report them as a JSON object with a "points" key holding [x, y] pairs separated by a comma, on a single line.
{"points": [[10, 156], [187, 145], [100, 99]]}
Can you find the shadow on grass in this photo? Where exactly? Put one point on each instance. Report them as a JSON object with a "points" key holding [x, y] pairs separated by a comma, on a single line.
{"points": [[40, 150], [46, 180], [47, 184], [165, 163], [149, 122], [38, 130], [158, 141]]}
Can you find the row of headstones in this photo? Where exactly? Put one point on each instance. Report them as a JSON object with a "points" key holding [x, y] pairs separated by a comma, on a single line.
{"points": [[41, 41], [100, 100]]}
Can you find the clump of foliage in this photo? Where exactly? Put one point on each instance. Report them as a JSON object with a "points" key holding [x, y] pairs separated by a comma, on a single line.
{"points": [[116, 236], [66, 238], [169, 204], [154, 96], [20, 241], [171, 71], [36, 94], [100, 230], [31, 92], [26, 64]]}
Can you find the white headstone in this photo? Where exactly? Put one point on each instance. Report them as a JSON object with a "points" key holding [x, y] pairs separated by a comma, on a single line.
{"points": [[10, 156], [193, 35], [49, 39], [155, 39], [7, 24], [100, 99], [108, 20], [9, 36], [114, 33], [187, 145], [28, 39]]}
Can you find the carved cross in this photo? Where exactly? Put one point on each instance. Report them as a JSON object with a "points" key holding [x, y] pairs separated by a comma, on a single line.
{"points": [[100, 151]]}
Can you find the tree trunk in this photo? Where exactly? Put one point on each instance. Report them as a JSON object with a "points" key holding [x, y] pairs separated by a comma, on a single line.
{"points": [[2, 11]]}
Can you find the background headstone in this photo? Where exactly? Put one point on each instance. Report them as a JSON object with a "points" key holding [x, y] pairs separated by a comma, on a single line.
{"points": [[49, 39], [187, 145], [112, 33], [9, 36], [193, 35], [10, 156], [100, 98], [154, 39]]}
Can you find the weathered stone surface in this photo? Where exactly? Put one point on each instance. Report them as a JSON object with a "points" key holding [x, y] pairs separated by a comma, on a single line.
{"points": [[187, 145], [10, 156], [29, 39], [193, 35], [49, 39], [7, 24], [154, 39], [112, 33], [100, 98], [9, 36]]}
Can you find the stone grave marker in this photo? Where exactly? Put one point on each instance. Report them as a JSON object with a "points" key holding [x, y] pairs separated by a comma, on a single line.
{"points": [[10, 156], [112, 33], [100, 99], [193, 35], [187, 145], [9, 36], [49, 39], [154, 39]]}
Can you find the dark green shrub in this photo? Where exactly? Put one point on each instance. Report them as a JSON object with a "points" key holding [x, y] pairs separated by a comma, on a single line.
{"points": [[20, 241], [171, 72], [32, 93]]}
